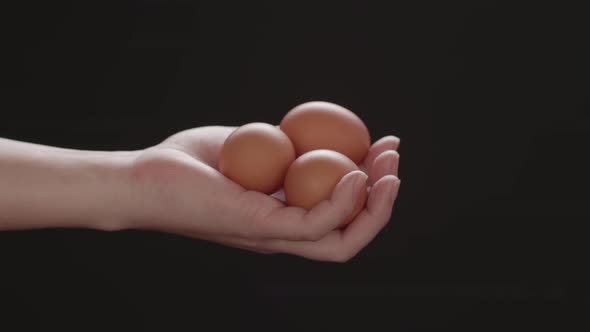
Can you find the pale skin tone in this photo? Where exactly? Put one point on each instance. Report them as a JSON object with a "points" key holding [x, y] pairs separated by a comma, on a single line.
{"points": [[175, 187]]}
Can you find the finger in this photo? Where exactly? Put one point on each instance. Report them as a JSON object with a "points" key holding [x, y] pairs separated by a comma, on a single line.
{"points": [[342, 245], [274, 221], [387, 163], [385, 143]]}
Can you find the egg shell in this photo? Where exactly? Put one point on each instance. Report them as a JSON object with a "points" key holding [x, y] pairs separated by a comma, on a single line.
{"points": [[323, 125], [257, 156], [313, 176]]}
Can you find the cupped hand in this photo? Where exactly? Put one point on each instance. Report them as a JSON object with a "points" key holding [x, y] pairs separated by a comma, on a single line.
{"points": [[181, 191]]}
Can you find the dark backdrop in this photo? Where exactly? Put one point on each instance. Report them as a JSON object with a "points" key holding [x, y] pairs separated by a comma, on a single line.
{"points": [[490, 100]]}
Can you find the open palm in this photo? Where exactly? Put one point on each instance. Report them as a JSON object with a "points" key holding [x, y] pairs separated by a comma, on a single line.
{"points": [[184, 193]]}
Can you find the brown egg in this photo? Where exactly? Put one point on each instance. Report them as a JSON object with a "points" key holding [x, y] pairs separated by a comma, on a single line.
{"points": [[257, 156], [313, 176], [324, 125]]}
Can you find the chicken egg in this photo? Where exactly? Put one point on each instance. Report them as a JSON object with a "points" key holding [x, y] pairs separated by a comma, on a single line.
{"points": [[324, 125], [257, 156], [313, 176]]}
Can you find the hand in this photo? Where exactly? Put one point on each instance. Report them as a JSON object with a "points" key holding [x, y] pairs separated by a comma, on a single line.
{"points": [[181, 191]]}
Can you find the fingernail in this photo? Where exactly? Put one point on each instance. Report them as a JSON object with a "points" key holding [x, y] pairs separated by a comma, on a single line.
{"points": [[360, 183], [391, 166], [393, 191]]}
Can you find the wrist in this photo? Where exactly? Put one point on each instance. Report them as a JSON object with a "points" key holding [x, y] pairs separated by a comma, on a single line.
{"points": [[110, 194]]}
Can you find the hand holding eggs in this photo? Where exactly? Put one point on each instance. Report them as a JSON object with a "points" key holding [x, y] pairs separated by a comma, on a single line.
{"points": [[313, 177], [316, 144]]}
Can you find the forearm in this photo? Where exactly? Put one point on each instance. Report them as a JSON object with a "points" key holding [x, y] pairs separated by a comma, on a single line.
{"points": [[46, 187]]}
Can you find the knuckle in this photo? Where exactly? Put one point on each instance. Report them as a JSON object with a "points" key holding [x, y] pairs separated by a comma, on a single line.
{"points": [[311, 233], [339, 212], [344, 215]]}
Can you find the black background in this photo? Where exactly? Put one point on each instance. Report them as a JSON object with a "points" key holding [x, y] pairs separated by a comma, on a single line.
{"points": [[490, 101]]}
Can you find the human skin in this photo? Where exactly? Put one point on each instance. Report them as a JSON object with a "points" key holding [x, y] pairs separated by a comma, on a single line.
{"points": [[175, 187]]}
